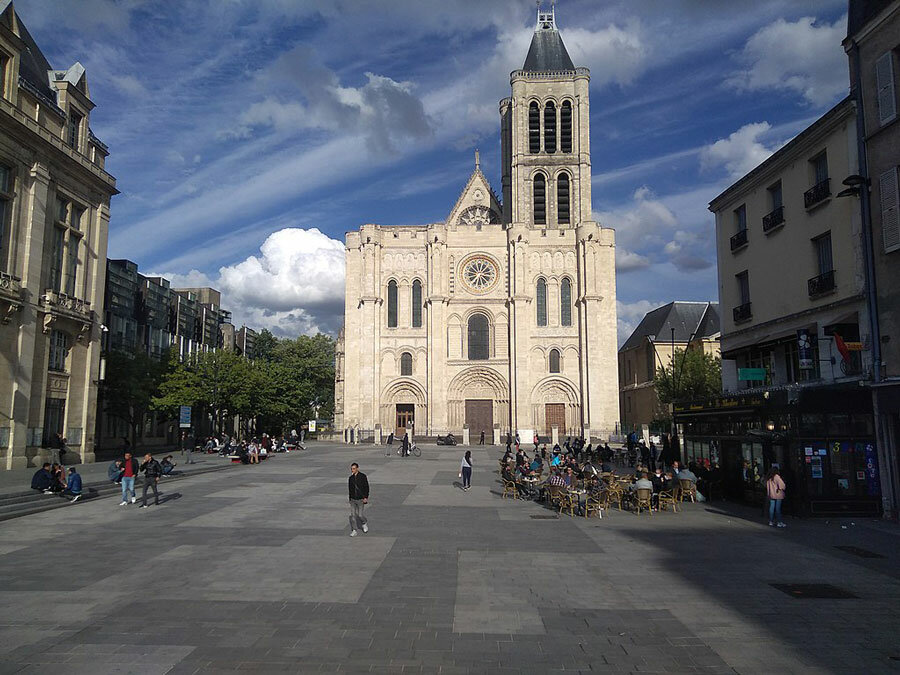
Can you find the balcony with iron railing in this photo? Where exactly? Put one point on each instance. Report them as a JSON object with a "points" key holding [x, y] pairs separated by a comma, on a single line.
{"points": [[817, 193], [773, 220], [742, 313], [820, 285], [739, 240]]}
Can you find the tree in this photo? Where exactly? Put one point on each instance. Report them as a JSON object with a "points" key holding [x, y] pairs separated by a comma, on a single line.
{"points": [[132, 379], [693, 374], [265, 345]]}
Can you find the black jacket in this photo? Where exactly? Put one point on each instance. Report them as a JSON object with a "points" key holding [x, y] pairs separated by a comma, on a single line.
{"points": [[42, 480], [359, 486], [151, 469]]}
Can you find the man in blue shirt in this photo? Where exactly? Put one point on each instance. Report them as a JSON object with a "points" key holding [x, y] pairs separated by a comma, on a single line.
{"points": [[73, 485], [42, 479]]}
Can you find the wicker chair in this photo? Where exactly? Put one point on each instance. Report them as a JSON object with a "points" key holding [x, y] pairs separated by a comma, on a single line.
{"points": [[554, 493], [596, 504], [642, 497], [567, 503], [687, 489], [510, 489], [615, 494], [667, 499]]}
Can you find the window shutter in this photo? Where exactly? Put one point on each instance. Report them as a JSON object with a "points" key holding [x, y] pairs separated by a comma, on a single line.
{"points": [[890, 206], [884, 83]]}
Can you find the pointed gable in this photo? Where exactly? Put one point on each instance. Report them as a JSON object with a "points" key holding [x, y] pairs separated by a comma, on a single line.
{"points": [[477, 204]]}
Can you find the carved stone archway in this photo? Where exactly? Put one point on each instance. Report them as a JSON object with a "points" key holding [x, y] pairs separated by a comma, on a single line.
{"points": [[408, 391], [478, 383], [555, 390]]}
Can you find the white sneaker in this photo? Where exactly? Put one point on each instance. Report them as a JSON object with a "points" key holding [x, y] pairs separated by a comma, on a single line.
{"points": [[133, 500], [781, 525], [76, 498], [365, 528], [771, 524], [353, 533]]}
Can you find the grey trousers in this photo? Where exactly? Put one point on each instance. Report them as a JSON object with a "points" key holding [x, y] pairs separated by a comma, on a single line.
{"points": [[357, 519]]}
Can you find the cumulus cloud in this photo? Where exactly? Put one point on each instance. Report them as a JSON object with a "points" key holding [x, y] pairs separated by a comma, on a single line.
{"points": [[628, 261], [294, 285], [386, 112], [740, 152], [803, 56]]}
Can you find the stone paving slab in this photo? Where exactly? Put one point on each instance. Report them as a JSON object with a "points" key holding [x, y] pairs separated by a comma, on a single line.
{"points": [[251, 570]]}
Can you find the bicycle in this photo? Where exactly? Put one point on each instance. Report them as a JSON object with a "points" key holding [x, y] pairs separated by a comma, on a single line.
{"points": [[413, 450]]}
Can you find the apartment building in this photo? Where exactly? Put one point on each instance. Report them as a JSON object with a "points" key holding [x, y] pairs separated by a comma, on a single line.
{"points": [[796, 340], [54, 220], [662, 332], [873, 47]]}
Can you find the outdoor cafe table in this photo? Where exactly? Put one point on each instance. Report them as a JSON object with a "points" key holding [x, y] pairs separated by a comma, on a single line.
{"points": [[531, 482]]}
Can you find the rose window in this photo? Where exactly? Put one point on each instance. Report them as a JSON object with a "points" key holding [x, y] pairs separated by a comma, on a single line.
{"points": [[480, 274]]}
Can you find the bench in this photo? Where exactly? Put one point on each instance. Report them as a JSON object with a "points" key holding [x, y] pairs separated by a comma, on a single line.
{"points": [[235, 459]]}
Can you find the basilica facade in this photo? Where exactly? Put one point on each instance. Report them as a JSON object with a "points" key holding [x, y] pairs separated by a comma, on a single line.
{"points": [[502, 318]]}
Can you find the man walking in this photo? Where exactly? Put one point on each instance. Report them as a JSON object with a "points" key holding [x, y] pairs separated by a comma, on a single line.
{"points": [[187, 444], [129, 473], [152, 472], [359, 497]]}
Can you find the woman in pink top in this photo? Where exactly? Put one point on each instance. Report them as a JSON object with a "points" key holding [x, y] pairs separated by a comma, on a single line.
{"points": [[775, 490]]}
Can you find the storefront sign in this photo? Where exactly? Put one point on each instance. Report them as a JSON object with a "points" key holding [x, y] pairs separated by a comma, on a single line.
{"points": [[805, 350], [184, 417], [752, 374], [808, 451], [872, 486]]}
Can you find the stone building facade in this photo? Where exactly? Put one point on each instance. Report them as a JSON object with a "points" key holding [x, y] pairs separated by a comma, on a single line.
{"points": [[54, 221], [502, 317]]}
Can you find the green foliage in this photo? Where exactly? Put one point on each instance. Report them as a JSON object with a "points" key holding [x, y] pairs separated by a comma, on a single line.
{"points": [[281, 389], [129, 386], [693, 374], [265, 345]]}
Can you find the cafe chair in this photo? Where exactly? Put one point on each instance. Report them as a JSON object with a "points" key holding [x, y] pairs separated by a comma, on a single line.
{"points": [[642, 498], [667, 499], [687, 490], [510, 489], [567, 503], [596, 505]]}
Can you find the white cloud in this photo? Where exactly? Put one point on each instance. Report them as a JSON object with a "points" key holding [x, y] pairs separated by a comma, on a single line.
{"points": [[628, 261], [804, 56], [740, 152], [295, 285]]}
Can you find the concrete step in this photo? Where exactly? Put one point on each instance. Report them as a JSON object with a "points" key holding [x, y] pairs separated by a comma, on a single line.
{"points": [[26, 503]]}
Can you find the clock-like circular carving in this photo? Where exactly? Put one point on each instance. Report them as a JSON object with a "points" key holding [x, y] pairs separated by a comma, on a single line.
{"points": [[479, 274], [478, 215], [478, 195]]}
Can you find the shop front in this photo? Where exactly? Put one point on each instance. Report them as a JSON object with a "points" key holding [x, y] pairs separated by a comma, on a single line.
{"points": [[822, 439]]}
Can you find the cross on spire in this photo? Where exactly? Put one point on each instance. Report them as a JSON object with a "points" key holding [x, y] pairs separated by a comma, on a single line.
{"points": [[477, 160]]}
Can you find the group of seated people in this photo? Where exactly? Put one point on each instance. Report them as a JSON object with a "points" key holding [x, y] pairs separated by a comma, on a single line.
{"points": [[51, 479], [567, 471]]}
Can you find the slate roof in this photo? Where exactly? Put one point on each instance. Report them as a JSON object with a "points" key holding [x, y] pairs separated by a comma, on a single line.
{"points": [[860, 12], [33, 65], [697, 319], [547, 52]]}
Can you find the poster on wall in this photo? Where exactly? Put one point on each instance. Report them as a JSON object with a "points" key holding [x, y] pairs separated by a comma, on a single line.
{"points": [[805, 350], [872, 486]]}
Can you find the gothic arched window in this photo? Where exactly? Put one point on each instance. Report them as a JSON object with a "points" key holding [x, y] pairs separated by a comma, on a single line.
{"points": [[534, 128], [392, 304], [549, 127], [417, 304], [565, 302], [554, 360], [562, 199], [541, 302], [406, 364], [540, 199], [565, 126], [479, 338]]}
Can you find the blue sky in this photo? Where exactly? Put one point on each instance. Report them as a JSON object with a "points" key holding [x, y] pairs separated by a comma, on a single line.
{"points": [[248, 136]]}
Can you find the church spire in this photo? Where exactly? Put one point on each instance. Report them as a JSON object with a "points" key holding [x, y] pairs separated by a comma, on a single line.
{"points": [[547, 51]]}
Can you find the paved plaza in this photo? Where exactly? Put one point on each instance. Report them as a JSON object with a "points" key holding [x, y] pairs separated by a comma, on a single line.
{"points": [[252, 569]]}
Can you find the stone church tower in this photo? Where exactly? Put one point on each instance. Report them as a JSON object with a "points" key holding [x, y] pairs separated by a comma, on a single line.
{"points": [[503, 317]]}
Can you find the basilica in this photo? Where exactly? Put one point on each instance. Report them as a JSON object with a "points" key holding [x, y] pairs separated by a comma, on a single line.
{"points": [[502, 318]]}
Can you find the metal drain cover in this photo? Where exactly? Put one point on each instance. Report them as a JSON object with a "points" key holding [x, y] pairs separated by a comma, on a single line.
{"points": [[861, 552], [545, 517], [814, 591]]}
